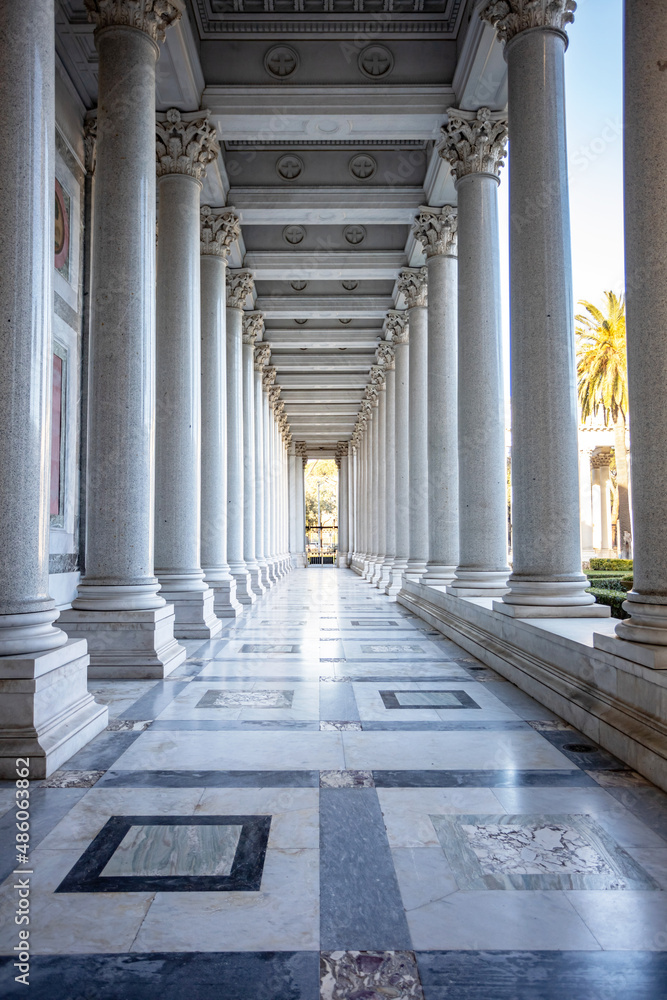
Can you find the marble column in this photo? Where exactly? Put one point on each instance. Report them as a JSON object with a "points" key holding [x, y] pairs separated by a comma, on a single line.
{"points": [[643, 636], [185, 144], [436, 230], [253, 327], [547, 579], [128, 624], [413, 286], [262, 356], [474, 143], [342, 456], [351, 463], [272, 558], [46, 713], [383, 356], [397, 328], [301, 451], [586, 501], [372, 394], [239, 287], [268, 380], [219, 230], [386, 356]]}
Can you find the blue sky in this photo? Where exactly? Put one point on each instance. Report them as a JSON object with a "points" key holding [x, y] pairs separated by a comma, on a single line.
{"points": [[594, 104]]}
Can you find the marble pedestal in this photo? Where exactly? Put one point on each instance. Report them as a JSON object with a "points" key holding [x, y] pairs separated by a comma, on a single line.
{"points": [[136, 644], [46, 712]]}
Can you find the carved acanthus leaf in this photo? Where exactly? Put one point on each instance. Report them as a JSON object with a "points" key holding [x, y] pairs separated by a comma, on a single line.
{"points": [[301, 449], [385, 355], [268, 378], [474, 141], [413, 285], [185, 144], [151, 16], [240, 284], [219, 230], [274, 395], [262, 355], [396, 326], [253, 326], [436, 229], [510, 17]]}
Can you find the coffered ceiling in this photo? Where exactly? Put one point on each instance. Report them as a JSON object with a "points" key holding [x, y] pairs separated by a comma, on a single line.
{"points": [[329, 112]]}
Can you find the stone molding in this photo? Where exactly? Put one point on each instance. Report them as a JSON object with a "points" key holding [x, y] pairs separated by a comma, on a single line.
{"points": [[342, 449], [365, 408], [397, 326], [413, 286], [475, 142], [185, 144], [274, 395], [301, 449], [268, 377], [377, 376], [90, 144], [511, 17], [253, 326], [150, 16], [385, 355], [262, 355], [240, 284], [437, 230], [219, 230]]}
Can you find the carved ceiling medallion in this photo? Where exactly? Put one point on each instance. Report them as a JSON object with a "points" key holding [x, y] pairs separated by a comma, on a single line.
{"points": [[281, 61], [354, 235], [376, 62], [299, 286], [289, 167], [301, 322], [362, 166], [294, 235], [350, 286]]}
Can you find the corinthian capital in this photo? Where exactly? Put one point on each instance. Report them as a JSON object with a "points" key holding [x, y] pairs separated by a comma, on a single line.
{"points": [[253, 326], [239, 286], [262, 355], [151, 16], [219, 230], [185, 144], [385, 354], [268, 377], [436, 230], [396, 326], [475, 142], [413, 286], [510, 17], [274, 395], [301, 449], [366, 407], [90, 144]]}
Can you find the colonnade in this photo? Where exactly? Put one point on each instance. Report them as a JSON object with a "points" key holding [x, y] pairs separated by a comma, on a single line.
{"points": [[448, 527]]}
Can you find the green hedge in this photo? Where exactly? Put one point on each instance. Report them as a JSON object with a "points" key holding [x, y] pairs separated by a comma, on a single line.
{"points": [[614, 564], [605, 574], [607, 582], [613, 598]]}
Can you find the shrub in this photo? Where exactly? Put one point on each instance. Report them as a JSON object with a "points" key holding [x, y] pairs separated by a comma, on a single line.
{"points": [[627, 583], [612, 598], [613, 564]]}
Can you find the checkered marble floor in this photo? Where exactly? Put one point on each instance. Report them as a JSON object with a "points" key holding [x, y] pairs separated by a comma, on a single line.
{"points": [[332, 801]]}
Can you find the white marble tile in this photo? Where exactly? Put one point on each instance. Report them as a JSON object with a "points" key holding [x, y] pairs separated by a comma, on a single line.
{"points": [[71, 923], [233, 700], [282, 916], [449, 751], [407, 811], [294, 811], [423, 875], [502, 921], [624, 921], [405, 648], [235, 751], [372, 707]]}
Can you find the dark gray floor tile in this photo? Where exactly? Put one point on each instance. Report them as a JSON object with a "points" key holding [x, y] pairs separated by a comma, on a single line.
{"points": [[337, 702], [210, 725], [543, 975], [482, 779], [443, 727], [210, 779], [154, 701], [647, 804], [162, 976], [360, 901], [582, 751], [102, 752]]}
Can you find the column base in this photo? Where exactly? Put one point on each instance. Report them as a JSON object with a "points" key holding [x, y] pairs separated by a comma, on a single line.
{"points": [[385, 574], [550, 593], [415, 570], [193, 611], [550, 610], [395, 584], [646, 654], [136, 644], [438, 575], [244, 592], [264, 574], [258, 587], [46, 711], [479, 583], [341, 560], [225, 604], [369, 566], [377, 571]]}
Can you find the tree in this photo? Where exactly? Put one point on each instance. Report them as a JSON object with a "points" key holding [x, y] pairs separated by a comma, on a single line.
{"points": [[325, 473], [602, 383]]}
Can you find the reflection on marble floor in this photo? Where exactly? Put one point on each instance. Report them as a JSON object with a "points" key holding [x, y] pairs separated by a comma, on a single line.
{"points": [[327, 799]]}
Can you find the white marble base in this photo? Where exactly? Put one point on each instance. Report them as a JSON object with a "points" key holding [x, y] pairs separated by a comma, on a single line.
{"points": [[258, 587], [244, 592], [225, 604], [46, 712], [194, 614], [648, 655], [475, 591], [547, 610], [136, 644], [616, 702]]}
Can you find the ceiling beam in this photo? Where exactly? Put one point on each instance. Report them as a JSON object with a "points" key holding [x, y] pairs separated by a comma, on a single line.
{"points": [[329, 206], [327, 265], [323, 307], [313, 380]]}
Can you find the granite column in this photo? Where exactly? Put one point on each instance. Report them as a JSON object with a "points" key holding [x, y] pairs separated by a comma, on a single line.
{"points": [[253, 327], [398, 330], [262, 356]]}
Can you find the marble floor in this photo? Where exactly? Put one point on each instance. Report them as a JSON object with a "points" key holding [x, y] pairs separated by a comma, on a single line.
{"points": [[332, 801]]}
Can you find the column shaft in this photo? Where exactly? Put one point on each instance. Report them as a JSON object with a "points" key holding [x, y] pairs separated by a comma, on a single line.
{"points": [[390, 485], [260, 479], [402, 468], [418, 450], [249, 498], [235, 484]]}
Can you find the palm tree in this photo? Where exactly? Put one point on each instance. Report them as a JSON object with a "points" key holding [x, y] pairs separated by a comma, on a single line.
{"points": [[602, 383]]}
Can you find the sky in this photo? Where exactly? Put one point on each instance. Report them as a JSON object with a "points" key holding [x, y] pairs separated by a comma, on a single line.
{"points": [[594, 114]]}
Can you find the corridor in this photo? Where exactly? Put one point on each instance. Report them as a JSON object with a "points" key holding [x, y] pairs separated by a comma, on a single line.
{"points": [[333, 800]]}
